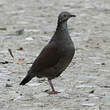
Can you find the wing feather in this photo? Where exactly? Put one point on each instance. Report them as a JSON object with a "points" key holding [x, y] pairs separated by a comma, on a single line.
{"points": [[48, 57]]}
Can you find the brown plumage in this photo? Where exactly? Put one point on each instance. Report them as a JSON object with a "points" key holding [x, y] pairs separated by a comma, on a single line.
{"points": [[56, 56]]}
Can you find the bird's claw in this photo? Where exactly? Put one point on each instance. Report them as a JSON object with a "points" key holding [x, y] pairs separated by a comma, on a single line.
{"points": [[53, 92]]}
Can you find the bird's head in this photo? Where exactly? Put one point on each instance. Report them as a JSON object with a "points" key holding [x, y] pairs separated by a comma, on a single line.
{"points": [[64, 16]]}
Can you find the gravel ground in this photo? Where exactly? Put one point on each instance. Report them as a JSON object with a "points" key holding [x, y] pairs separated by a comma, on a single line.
{"points": [[26, 27]]}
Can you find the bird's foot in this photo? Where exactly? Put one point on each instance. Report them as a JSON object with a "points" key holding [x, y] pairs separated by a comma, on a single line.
{"points": [[53, 92]]}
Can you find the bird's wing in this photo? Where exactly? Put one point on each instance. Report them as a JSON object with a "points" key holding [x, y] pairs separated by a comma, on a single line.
{"points": [[48, 57]]}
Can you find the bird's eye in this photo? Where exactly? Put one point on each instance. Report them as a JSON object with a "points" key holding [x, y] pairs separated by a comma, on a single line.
{"points": [[64, 15]]}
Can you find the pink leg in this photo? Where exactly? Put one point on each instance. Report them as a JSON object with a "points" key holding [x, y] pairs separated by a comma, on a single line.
{"points": [[53, 90]]}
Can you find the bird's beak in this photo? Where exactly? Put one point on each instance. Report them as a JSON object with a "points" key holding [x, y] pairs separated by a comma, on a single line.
{"points": [[72, 15]]}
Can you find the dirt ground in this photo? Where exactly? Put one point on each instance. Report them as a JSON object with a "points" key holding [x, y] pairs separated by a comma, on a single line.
{"points": [[26, 27]]}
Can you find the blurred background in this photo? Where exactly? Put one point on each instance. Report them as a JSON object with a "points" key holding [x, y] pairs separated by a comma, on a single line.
{"points": [[26, 27]]}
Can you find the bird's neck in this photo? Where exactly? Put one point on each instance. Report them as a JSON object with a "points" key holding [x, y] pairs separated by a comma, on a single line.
{"points": [[62, 26], [61, 33]]}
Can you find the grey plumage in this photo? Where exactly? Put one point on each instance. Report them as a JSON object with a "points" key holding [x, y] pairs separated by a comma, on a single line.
{"points": [[56, 56]]}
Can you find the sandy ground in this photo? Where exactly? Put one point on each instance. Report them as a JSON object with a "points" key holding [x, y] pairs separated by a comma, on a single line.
{"points": [[85, 85]]}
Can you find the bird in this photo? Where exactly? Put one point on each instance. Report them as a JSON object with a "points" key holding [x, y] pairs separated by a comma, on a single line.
{"points": [[55, 56]]}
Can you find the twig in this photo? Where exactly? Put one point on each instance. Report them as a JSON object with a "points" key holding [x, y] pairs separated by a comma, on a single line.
{"points": [[11, 53]]}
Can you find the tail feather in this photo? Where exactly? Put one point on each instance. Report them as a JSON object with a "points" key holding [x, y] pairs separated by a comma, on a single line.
{"points": [[26, 79]]}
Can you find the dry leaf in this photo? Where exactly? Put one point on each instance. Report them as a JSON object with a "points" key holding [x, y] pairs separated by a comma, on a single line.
{"points": [[20, 61], [11, 53], [3, 28], [21, 48]]}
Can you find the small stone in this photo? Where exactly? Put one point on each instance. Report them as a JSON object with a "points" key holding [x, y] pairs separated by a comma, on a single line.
{"points": [[5, 62], [8, 85], [87, 100], [20, 32], [21, 94], [11, 99], [8, 79], [102, 63], [91, 92]]}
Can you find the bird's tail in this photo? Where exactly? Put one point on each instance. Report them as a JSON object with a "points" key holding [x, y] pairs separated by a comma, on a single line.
{"points": [[27, 79]]}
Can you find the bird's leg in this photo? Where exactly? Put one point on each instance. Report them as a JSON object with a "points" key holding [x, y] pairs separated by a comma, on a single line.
{"points": [[53, 90]]}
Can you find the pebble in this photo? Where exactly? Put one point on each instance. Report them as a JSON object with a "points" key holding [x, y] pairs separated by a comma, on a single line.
{"points": [[8, 85]]}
